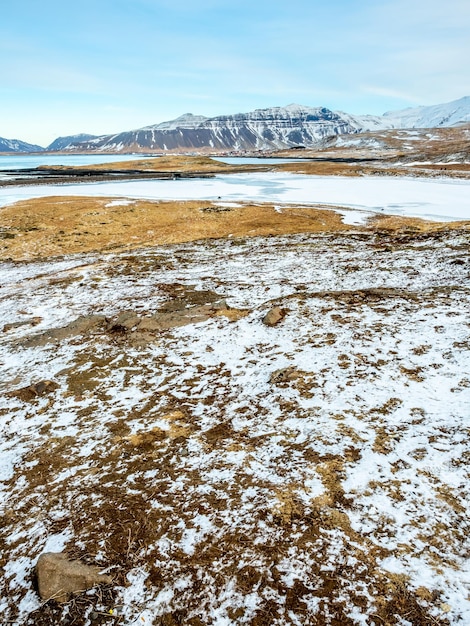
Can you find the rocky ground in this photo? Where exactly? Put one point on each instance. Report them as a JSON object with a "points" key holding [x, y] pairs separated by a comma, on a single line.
{"points": [[423, 152], [247, 430]]}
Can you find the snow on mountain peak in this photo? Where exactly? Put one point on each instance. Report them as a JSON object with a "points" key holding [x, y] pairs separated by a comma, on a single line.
{"points": [[286, 126], [447, 114], [438, 115], [187, 120], [16, 145]]}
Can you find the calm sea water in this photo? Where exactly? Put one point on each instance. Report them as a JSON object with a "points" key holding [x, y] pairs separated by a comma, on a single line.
{"points": [[25, 161], [15, 162]]}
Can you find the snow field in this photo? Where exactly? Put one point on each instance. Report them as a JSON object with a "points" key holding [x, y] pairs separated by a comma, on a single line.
{"points": [[214, 494]]}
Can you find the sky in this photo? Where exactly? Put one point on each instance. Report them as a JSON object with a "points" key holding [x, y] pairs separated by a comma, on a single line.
{"points": [[105, 66]]}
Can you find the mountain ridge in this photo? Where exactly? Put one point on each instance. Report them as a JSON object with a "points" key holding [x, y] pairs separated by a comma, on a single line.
{"points": [[16, 145], [266, 129], [62, 142], [271, 128]]}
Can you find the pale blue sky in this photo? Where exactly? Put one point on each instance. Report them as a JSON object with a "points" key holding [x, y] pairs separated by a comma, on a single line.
{"points": [[103, 66]]}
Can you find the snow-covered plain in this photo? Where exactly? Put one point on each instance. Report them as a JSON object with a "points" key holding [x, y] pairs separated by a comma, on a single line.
{"points": [[437, 199], [215, 493]]}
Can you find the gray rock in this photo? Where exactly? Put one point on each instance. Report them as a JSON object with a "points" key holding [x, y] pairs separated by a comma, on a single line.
{"points": [[82, 325], [34, 321], [33, 391], [59, 578], [125, 320], [274, 316]]}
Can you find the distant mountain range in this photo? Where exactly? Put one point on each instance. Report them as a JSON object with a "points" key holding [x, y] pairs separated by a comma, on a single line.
{"points": [[62, 143], [15, 145], [262, 129]]}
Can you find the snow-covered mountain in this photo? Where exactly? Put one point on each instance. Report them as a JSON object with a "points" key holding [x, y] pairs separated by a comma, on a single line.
{"points": [[277, 127], [268, 129], [263, 129], [188, 120], [15, 145], [438, 115], [62, 143], [448, 114]]}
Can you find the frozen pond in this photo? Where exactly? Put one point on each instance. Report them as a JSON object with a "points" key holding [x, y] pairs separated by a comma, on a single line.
{"points": [[437, 199]]}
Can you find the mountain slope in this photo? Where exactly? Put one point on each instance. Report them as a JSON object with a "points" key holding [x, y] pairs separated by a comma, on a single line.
{"points": [[187, 120], [439, 115], [63, 143], [269, 129], [15, 145], [448, 114], [441, 145], [262, 129]]}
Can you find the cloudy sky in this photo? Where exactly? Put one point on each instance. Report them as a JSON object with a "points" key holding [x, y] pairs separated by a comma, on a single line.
{"points": [[102, 66]]}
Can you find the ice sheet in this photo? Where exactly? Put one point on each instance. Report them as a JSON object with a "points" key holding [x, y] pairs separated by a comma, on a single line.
{"points": [[438, 199]]}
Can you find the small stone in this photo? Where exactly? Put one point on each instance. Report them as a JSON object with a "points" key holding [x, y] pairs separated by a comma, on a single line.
{"points": [[220, 305], [274, 316], [126, 320], [284, 375], [233, 315], [446, 608], [59, 578], [118, 610], [33, 391]]}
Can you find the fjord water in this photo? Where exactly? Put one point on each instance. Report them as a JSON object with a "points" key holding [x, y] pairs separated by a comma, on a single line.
{"points": [[26, 161]]}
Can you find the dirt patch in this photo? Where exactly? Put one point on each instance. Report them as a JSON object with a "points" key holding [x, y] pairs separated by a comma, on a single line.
{"points": [[187, 306]]}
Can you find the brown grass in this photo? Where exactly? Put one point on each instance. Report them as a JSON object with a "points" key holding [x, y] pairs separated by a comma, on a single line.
{"points": [[375, 168], [445, 167], [321, 168], [443, 146], [55, 226], [48, 227], [171, 163]]}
